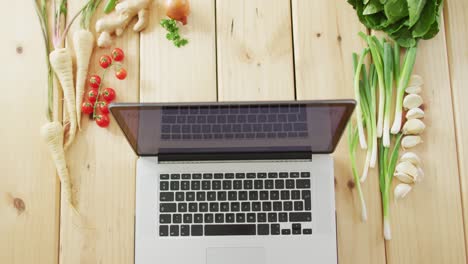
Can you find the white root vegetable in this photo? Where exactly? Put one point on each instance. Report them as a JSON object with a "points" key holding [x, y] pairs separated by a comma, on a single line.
{"points": [[116, 22], [415, 113], [413, 127], [83, 42], [61, 62], [52, 134]]}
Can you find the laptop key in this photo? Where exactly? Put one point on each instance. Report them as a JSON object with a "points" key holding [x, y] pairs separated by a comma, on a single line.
{"points": [[182, 207], [296, 229], [263, 229], [294, 175], [164, 176], [163, 230], [305, 174], [206, 185], [214, 207], [227, 185], [216, 185], [288, 206], [307, 231], [219, 218], [307, 200], [253, 195], [272, 175], [224, 207], [261, 217], [251, 175], [179, 196], [272, 217], [174, 186], [203, 207], [277, 206], [187, 218], [185, 185], [258, 184], [186, 176], [195, 185], [230, 218], [197, 230], [283, 175], [263, 195], [196, 176], [232, 196], [269, 184], [235, 207], [176, 218], [298, 206], [261, 175], [211, 196], [218, 176], [240, 175], [279, 184], [286, 232], [184, 230], [300, 217], [275, 229], [198, 218], [175, 176], [164, 186], [251, 218], [190, 196], [266, 206], [274, 195], [295, 195], [243, 196], [193, 207], [208, 218], [237, 185], [166, 196], [222, 196], [240, 217], [248, 184], [245, 206], [283, 217], [230, 230], [290, 184], [284, 195], [256, 206], [201, 196], [207, 176], [229, 176], [165, 218], [303, 184]]}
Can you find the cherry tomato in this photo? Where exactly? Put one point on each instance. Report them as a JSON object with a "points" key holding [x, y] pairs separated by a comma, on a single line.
{"points": [[121, 73], [87, 108], [118, 54], [105, 61], [102, 120], [94, 81], [92, 95], [103, 107], [108, 94]]}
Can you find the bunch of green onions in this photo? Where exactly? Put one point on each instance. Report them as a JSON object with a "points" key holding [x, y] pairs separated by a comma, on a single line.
{"points": [[375, 93]]}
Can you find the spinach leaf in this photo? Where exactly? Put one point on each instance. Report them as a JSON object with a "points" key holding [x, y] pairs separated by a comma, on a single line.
{"points": [[396, 9], [415, 8], [428, 16], [374, 6]]}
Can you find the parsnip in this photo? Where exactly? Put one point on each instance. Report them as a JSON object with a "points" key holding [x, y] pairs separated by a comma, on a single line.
{"points": [[83, 42], [52, 134], [61, 62]]}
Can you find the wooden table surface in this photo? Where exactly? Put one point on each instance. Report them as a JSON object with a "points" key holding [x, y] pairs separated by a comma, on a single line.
{"points": [[238, 50]]}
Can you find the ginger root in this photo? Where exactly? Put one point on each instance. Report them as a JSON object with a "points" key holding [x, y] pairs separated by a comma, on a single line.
{"points": [[117, 21]]}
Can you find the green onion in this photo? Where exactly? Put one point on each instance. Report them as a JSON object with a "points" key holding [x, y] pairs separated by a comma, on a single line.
{"points": [[388, 82], [404, 76], [359, 115], [352, 144], [110, 5]]}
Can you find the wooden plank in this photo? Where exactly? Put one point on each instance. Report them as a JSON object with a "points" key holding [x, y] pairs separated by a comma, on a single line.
{"points": [[456, 24], [428, 225], [325, 35], [102, 168], [29, 197], [255, 59], [176, 74]]}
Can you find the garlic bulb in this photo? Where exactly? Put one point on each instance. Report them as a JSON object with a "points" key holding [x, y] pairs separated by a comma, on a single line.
{"points": [[412, 101], [414, 113], [401, 190], [410, 141], [412, 158], [413, 127], [413, 89]]}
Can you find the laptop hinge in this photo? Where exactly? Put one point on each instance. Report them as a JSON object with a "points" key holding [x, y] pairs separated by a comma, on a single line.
{"points": [[184, 157]]}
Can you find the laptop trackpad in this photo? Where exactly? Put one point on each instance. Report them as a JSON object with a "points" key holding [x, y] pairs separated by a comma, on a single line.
{"points": [[254, 255]]}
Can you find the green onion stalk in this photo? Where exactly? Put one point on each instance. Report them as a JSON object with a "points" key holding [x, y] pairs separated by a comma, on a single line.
{"points": [[403, 79], [359, 108], [352, 133], [388, 80]]}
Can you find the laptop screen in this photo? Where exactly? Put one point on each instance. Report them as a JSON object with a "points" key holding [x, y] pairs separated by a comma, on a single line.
{"points": [[204, 128]]}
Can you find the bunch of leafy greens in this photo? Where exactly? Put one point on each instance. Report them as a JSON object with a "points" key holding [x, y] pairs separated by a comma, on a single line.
{"points": [[405, 21]]}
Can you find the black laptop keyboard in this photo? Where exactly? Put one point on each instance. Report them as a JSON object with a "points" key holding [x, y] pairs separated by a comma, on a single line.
{"points": [[233, 122], [234, 204]]}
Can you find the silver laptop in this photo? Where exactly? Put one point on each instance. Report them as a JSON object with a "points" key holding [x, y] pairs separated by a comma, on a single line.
{"points": [[225, 183]]}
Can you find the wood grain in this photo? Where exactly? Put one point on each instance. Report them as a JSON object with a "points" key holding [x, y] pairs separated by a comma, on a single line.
{"points": [[430, 218], [181, 74], [255, 60], [29, 188], [325, 36], [456, 24], [102, 168]]}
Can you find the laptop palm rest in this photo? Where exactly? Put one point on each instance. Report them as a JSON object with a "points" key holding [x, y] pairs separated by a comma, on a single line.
{"points": [[220, 255]]}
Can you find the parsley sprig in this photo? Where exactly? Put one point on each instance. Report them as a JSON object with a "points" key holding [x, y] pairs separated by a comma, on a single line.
{"points": [[173, 32]]}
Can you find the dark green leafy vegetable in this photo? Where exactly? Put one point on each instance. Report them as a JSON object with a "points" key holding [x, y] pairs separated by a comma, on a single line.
{"points": [[405, 21]]}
